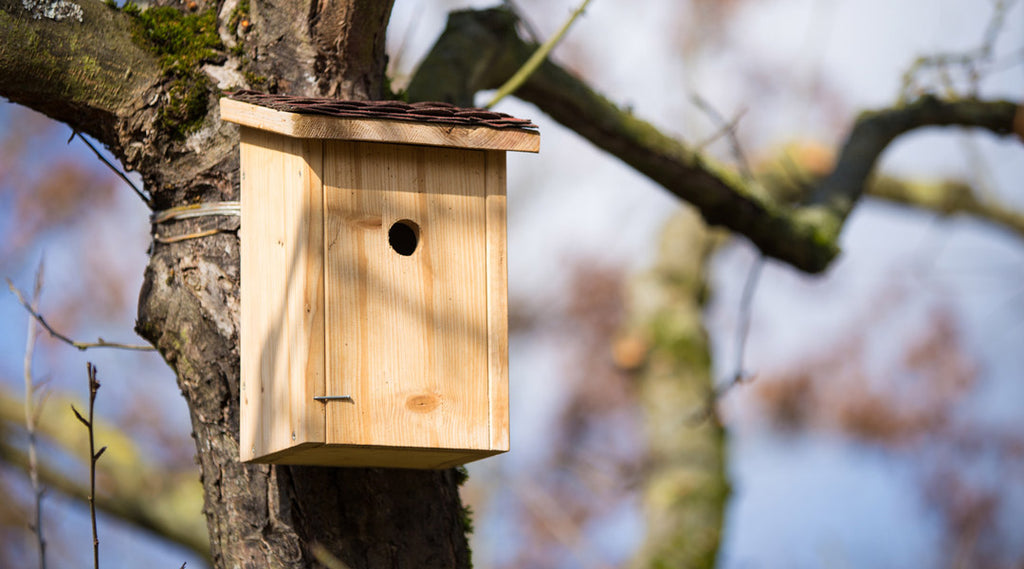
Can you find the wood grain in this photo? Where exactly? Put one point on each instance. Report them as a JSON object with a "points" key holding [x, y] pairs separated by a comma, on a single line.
{"points": [[282, 292], [407, 335], [377, 130], [497, 300]]}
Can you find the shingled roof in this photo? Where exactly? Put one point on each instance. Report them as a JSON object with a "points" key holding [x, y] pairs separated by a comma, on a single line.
{"points": [[438, 113]]}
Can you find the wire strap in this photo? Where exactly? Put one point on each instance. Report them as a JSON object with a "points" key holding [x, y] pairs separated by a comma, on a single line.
{"points": [[197, 210], [194, 210]]}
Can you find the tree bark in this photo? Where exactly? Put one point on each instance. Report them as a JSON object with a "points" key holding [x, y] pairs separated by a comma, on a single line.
{"points": [[686, 486], [92, 74]]}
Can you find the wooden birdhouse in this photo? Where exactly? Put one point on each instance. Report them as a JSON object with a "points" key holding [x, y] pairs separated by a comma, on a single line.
{"points": [[373, 280]]}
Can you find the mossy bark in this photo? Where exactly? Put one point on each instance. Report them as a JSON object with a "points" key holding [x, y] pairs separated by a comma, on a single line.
{"points": [[686, 487], [480, 49]]}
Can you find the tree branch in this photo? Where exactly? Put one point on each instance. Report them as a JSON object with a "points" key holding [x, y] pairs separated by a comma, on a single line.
{"points": [[81, 346], [83, 73], [874, 131], [947, 199], [480, 49], [686, 485], [794, 175]]}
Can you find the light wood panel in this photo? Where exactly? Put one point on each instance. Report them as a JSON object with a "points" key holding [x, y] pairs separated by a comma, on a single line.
{"points": [[407, 335], [377, 130], [497, 300], [282, 350]]}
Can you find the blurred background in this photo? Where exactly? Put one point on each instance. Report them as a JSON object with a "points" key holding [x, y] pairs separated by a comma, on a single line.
{"points": [[881, 422]]}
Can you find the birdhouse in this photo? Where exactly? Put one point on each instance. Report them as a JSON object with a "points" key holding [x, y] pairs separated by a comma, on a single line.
{"points": [[373, 280]]}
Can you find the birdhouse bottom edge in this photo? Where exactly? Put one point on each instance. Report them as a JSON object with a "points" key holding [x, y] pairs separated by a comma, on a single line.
{"points": [[321, 454]]}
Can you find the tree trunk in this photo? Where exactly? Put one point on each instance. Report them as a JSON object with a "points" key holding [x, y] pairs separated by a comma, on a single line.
{"points": [[83, 65], [686, 487]]}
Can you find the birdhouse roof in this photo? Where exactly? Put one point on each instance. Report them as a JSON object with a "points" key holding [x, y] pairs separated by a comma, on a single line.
{"points": [[432, 124]]}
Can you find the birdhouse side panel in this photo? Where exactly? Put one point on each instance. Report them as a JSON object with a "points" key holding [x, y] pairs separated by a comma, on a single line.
{"points": [[406, 317], [282, 339], [497, 300]]}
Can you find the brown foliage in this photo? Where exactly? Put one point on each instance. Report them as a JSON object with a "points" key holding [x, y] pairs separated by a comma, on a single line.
{"points": [[914, 410], [595, 444], [837, 392]]}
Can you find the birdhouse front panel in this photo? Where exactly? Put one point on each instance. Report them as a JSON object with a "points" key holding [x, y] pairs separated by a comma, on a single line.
{"points": [[374, 311], [407, 304]]}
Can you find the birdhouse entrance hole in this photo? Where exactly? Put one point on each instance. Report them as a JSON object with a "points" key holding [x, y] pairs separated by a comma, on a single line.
{"points": [[403, 237], [374, 311]]}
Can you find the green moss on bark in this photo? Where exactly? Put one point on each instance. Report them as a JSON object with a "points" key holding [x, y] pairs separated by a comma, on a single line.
{"points": [[182, 42]]}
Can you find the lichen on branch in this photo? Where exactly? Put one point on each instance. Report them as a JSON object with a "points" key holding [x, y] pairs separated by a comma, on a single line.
{"points": [[83, 73]]}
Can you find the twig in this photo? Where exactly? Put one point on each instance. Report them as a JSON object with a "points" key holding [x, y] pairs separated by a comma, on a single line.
{"points": [[146, 199], [707, 410], [81, 346], [142, 498], [743, 329], [326, 558], [727, 128], [94, 455], [970, 62], [30, 421], [536, 59]]}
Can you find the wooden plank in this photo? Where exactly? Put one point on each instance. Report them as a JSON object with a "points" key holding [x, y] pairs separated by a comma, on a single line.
{"points": [[281, 343], [304, 299], [497, 301], [253, 325], [377, 130], [407, 335]]}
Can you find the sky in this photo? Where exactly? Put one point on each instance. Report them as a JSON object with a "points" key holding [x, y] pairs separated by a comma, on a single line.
{"points": [[799, 501]]}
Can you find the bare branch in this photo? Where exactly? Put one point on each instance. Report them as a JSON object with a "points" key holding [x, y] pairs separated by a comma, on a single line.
{"points": [[972, 63], [94, 387], [947, 199], [728, 130], [743, 329], [82, 346], [31, 414], [874, 131], [146, 199], [480, 49], [134, 489]]}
